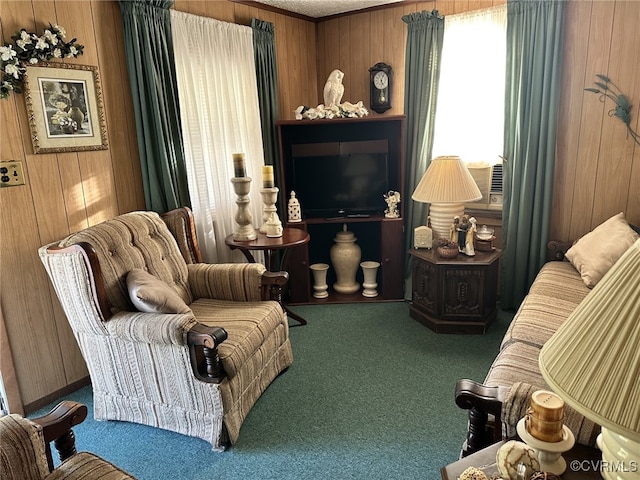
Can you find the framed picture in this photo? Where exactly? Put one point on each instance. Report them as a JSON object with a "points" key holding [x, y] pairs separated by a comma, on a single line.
{"points": [[64, 104]]}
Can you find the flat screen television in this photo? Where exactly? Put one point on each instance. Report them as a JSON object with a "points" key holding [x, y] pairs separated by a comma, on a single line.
{"points": [[341, 179]]}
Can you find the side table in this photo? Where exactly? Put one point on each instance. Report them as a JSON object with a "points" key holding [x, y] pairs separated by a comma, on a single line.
{"points": [[582, 463], [455, 295], [291, 237]]}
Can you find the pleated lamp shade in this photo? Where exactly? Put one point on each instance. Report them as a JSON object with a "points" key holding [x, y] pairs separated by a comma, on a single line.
{"points": [[593, 360], [446, 185]]}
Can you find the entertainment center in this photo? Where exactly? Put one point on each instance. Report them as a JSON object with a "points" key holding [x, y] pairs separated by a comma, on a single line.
{"points": [[340, 170]]}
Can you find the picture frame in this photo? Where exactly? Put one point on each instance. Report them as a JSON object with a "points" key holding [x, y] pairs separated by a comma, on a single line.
{"points": [[65, 108]]}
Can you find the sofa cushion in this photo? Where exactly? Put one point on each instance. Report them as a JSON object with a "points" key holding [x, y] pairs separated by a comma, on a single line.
{"points": [[248, 325], [555, 293], [596, 252], [517, 362], [151, 295]]}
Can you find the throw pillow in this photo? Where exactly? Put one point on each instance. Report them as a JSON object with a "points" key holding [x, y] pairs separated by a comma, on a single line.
{"points": [[151, 295], [596, 252]]}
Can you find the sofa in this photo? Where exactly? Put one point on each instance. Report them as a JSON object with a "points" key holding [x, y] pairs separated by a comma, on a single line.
{"points": [[496, 405]]}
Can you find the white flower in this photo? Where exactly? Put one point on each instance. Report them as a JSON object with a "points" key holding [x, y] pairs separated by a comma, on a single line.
{"points": [[60, 31], [57, 53], [7, 85], [73, 52], [312, 114], [33, 61], [12, 69], [51, 38], [7, 53], [25, 37], [41, 44]]}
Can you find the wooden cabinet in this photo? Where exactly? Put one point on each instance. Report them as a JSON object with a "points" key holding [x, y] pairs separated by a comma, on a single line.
{"points": [[454, 295], [380, 239]]}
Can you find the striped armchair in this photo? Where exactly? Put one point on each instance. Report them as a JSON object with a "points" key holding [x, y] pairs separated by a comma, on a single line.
{"points": [[25, 453], [197, 371]]}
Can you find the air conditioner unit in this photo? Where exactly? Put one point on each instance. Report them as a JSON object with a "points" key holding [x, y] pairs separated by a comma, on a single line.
{"points": [[489, 181]]}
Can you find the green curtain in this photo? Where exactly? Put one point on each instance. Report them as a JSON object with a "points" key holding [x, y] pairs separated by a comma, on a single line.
{"points": [[532, 91], [267, 78], [149, 52], [422, 71]]}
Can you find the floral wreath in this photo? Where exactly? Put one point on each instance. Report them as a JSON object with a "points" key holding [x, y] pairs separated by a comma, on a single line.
{"points": [[29, 49]]}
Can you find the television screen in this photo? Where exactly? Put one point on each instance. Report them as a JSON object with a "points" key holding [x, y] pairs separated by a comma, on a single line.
{"points": [[341, 184]]}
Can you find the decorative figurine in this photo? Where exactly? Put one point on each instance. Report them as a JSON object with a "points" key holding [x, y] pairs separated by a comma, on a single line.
{"points": [[393, 199], [463, 226], [293, 209], [333, 89], [468, 245]]}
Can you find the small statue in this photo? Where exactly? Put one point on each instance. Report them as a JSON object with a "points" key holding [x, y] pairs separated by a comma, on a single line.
{"points": [[468, 245], [293, 209], [333, 89], [463, 226], [453, 229], [393, 199]]}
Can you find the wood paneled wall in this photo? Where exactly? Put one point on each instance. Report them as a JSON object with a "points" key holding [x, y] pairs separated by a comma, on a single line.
{"points": [[597, 164], [598, 172], [356, 42], [67, 192]]}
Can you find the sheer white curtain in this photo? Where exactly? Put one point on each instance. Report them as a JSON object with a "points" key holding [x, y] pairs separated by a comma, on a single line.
{"points": [[470, 108], [220, 116]]}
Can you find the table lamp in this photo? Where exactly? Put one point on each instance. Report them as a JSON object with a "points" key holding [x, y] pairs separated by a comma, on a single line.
{"points": [[446, 185], [593, 363]]}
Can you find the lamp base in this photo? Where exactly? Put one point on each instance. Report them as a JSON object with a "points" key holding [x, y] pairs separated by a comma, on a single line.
{"points": [[442, 215], [620, 456]]}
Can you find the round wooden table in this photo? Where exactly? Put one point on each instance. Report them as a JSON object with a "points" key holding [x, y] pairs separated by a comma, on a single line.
{"points": [[291, 237]]}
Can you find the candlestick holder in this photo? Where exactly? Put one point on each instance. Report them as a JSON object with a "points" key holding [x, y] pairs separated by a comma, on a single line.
{"points": [[271, 224], [549, 454], [243, 218]]}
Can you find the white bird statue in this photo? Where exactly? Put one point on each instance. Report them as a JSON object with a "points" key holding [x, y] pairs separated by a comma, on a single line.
{"points": [[333, 89]]}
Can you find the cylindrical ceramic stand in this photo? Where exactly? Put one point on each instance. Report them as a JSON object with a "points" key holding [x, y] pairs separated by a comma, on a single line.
{"points": [[319, 271], [370, 272], [345, 258]]}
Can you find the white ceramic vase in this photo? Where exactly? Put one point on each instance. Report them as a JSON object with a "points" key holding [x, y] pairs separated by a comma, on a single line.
{"points": [[370, 272], [345, 258], [319, 272]]}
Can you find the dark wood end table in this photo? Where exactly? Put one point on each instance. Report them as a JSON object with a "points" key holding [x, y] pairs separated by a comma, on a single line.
{"points": [[582, 463], [456, 295], [291, 237]]}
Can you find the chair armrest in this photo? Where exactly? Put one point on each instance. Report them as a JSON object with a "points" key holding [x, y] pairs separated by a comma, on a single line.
{"points": [[152, 328], [242, 282], [175, 329], [485, 410], [57, 427]]}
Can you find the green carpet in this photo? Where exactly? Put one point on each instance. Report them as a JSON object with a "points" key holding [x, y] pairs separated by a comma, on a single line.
{"points": [[369, 396]]}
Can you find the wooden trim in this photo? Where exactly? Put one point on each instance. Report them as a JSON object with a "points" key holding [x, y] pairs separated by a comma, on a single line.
{"points": [[62, 392]]}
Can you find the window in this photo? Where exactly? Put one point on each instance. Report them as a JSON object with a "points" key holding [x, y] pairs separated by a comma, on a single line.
{"points": [[470, 106]]}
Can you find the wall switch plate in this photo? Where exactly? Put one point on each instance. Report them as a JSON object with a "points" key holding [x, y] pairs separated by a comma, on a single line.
{"points": [[11, 174]]}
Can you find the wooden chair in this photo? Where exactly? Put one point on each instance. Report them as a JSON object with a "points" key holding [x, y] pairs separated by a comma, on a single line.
{"points": [[196, 371], [25, 452]]}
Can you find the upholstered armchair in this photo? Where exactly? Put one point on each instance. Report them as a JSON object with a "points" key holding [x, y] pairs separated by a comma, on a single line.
{"points": [[25, 452], [169, 341]]}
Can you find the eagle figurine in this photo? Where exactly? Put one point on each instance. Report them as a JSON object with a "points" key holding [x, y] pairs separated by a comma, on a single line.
{"points": [[333, 89]]}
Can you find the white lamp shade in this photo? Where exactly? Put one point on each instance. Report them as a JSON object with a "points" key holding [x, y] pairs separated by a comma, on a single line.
{"points": [[447, 180], [593, 359]]}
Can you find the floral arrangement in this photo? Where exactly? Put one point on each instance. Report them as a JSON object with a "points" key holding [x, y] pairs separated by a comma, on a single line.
{"points": [[344, 110], [29, 49]]}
